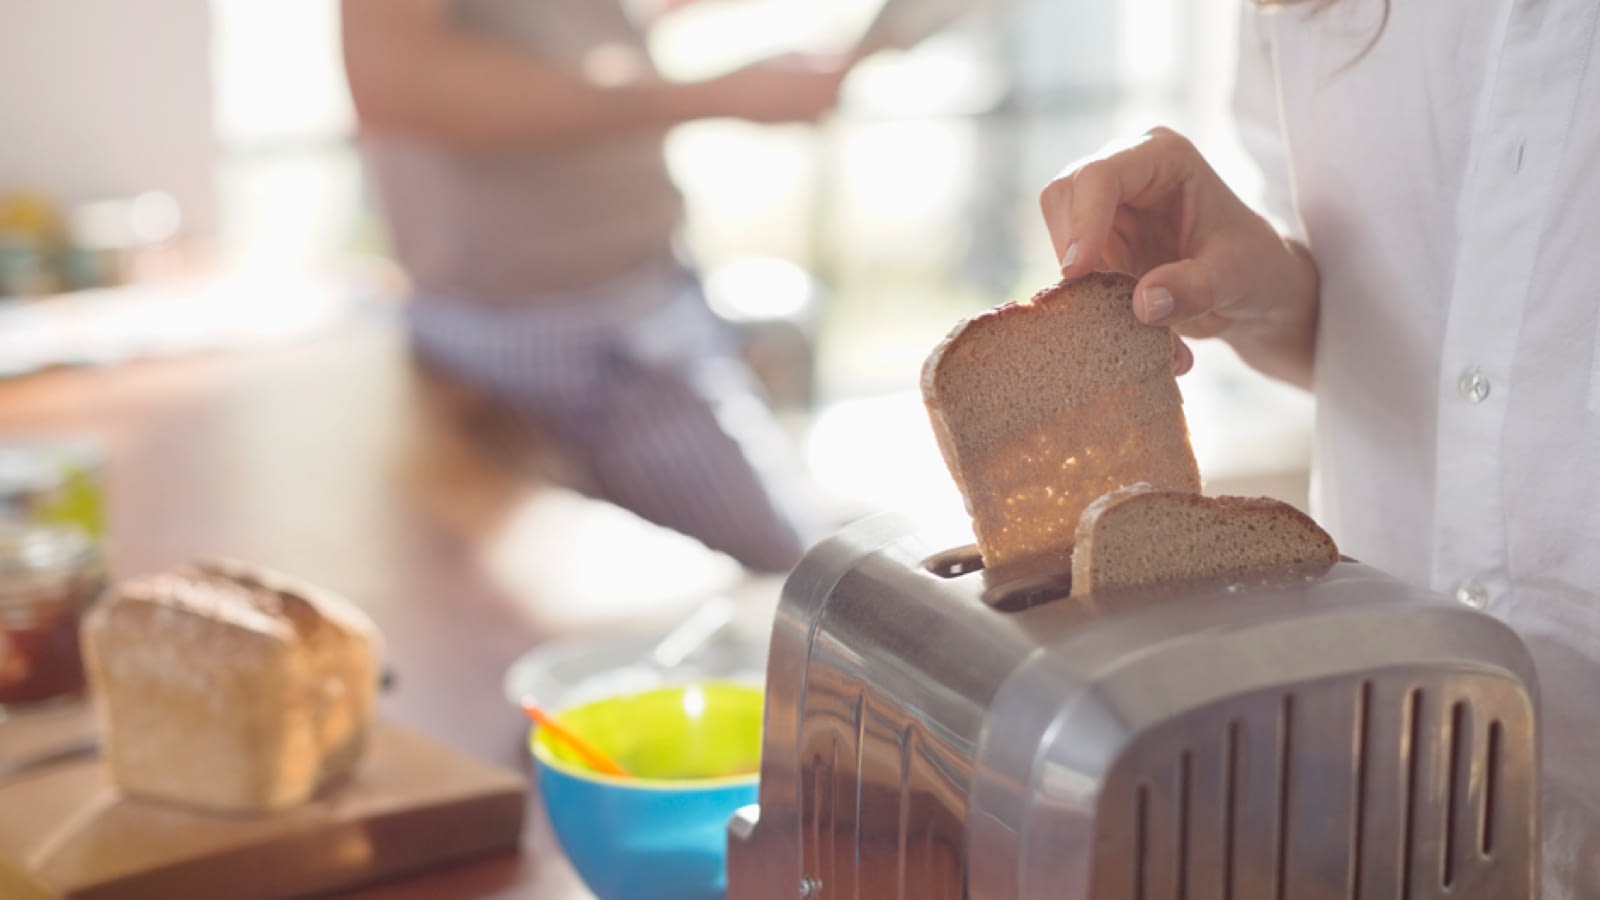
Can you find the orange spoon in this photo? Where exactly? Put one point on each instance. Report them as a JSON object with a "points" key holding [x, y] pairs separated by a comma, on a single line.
{"points": [[596, 759]]}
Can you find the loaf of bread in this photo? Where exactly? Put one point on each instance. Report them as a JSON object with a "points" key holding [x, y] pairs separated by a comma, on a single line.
{"points": [[1039, 407], [1141, 534], [227, 688]]}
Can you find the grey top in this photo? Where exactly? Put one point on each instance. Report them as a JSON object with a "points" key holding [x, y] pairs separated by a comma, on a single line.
{"points": [[531, 225]]}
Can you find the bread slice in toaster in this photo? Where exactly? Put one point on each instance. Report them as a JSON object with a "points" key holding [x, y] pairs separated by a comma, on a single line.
{"points": [[1141, 534], [1041, 406]]}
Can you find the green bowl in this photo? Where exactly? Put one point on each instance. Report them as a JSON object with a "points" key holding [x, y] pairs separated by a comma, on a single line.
{"points": [[692, 752]]}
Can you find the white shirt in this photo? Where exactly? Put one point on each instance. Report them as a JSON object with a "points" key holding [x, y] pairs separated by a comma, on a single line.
{"points": [[1447, 181]]}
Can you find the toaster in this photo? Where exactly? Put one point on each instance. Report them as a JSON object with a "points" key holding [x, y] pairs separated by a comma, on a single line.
{"points": [[932, 731]]}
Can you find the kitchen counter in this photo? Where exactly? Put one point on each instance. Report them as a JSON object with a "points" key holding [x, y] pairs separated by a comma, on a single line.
{"points": [[335, 460]]}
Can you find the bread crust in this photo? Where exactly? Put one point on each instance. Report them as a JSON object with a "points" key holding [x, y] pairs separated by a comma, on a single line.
{"points": [[1040, 406]]}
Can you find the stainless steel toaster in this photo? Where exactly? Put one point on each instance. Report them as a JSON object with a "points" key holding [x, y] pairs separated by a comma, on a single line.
{"points": [[932, 732]]}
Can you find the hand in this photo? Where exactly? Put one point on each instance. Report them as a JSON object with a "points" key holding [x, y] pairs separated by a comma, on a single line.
{"points": [[788, 88], [1208, 266]]}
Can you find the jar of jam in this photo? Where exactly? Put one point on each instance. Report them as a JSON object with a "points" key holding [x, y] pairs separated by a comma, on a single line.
{"points": [[50, 575]]}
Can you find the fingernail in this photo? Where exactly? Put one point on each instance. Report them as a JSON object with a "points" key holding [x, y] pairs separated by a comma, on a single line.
{"points": [[1069, 257], [1157, 304]]}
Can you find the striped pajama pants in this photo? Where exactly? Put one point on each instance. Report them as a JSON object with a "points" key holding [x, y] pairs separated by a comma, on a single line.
{"points": [[640, 381]]}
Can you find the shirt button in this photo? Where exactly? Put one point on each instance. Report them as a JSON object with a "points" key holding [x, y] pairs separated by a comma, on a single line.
{"points": [[1473, 385], [1471, 593]]}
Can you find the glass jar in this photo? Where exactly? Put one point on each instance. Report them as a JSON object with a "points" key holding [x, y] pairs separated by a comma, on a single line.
{"points": [[50, 575]]}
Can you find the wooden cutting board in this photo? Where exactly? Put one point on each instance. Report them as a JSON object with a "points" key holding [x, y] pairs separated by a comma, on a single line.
{"points": [[67, 834]]}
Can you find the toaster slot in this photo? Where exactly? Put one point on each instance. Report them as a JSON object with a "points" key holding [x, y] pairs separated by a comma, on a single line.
{"points": [[955, 562], [1018, 587], [1025, 593]]}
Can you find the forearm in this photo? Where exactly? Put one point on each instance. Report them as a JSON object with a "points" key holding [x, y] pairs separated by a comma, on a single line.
{"points": [[413, 71], [1282, 342], [473, 92]]}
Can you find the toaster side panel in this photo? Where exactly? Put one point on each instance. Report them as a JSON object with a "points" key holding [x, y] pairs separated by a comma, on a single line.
{"points": [[902, 668], [765, 840], [883, 799], [881, 670]]}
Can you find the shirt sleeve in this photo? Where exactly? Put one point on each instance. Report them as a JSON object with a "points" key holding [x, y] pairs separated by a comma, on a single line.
{"points": [[1258, 117]]}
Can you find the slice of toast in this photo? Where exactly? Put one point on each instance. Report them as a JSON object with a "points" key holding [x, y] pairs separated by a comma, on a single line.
{"points": [[1041, 406], [1141, 534]]}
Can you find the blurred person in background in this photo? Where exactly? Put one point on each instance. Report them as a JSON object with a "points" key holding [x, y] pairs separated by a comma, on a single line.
{"points": [[517, 151], [1424, 265]]}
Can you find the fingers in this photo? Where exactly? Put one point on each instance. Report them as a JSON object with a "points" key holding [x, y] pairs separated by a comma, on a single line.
{"points": [[1080, 205], [1182, 356], [1069, 234]]}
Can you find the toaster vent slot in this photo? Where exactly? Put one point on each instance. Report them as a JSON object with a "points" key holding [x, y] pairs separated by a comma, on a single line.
{"points": [[1185, 768], [903, 824], [1160, 833], [822, 846], [1141, 852], [1285, 754], [1460, 742], [1230, 806], [1491, 790], [1358, 821], [1413, 733]]}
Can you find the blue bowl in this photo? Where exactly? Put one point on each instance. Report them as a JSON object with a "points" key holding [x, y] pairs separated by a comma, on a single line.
{"points": [[692, 752]]}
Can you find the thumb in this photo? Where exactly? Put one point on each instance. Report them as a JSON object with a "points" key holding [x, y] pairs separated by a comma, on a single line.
{"points": [[1182, 295]]}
